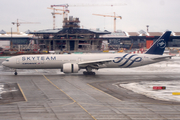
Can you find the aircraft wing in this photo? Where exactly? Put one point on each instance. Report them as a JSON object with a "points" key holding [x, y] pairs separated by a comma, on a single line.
{"points": [[162, 57], [94, 63]]}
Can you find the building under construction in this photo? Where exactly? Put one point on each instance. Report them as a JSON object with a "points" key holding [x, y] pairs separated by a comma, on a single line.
{"points": [[70, 38]]}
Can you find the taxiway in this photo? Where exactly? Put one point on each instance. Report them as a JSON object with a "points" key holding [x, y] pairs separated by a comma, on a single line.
{"points": [[52, 95]]}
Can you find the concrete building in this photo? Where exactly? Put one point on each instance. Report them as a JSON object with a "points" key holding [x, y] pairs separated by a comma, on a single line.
{"points": [[70, 38], [17, 41], [140, 39]]}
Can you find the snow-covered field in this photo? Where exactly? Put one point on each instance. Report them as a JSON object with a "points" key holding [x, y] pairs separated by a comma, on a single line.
{"points": [[146, 87]]}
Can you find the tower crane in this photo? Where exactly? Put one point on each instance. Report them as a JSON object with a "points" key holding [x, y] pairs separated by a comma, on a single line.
{"points": [[18, 24], [110, 16], [66, 11], [53, 14]]}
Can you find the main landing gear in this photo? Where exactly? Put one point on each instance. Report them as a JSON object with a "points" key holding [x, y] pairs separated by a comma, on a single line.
{"points": [[89, 71], [15, 72]]}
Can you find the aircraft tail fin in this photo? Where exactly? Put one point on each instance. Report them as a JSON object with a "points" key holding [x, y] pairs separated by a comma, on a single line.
{"points": [[159, 45]]}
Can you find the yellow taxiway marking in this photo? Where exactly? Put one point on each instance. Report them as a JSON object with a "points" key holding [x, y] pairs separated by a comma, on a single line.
{"points": [[15, 102], [176, 93], [22, 92], [69, 97], [104, 92]]}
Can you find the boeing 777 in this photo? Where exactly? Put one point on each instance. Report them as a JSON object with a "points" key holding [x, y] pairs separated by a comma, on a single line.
{"points": [[72, 63]]}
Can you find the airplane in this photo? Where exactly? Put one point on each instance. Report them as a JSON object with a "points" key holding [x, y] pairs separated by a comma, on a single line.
{"points": [[72, 63]]}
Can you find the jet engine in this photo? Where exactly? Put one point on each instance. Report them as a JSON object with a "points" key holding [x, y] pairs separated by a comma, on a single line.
{"points": [[70, 68]]}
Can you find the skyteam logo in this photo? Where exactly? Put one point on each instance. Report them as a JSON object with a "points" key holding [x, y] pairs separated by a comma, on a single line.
{"points": [[126, 60], [161, 43]]}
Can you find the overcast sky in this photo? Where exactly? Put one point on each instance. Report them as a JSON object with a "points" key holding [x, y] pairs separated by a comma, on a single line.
{"points": [[160, 15]]}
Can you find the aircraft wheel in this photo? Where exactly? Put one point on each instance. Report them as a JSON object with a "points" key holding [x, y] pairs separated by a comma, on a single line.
{"points": [[89, 73], [15, 73], [85, 73]]}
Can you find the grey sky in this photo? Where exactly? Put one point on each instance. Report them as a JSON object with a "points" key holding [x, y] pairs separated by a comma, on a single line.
{"points": [[160, 15]]}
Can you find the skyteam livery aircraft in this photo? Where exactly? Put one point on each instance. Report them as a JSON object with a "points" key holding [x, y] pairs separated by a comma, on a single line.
{"points": [[72, 63]]}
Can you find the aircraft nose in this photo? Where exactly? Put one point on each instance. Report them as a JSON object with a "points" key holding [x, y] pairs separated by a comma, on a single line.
{"points": [[3, 63]]}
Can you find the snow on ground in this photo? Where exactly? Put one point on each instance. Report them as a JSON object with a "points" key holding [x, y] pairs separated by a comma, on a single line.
{"points": [[146, 88]]}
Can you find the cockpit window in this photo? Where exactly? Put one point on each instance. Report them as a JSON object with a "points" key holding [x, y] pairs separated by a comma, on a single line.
{"points": [[7, 60]]}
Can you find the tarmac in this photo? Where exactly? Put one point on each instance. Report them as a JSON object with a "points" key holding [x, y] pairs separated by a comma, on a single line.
{"points": [[51, 95]]}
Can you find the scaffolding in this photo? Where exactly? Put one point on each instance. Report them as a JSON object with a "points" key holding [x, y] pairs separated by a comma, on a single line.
{"points": [[70, 38]]}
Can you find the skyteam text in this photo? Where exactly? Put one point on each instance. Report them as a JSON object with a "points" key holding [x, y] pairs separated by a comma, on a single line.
{"points": [[39, 58]]}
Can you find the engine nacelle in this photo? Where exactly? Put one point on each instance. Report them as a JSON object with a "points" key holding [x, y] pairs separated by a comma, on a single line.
{"points": [[70, 68]]}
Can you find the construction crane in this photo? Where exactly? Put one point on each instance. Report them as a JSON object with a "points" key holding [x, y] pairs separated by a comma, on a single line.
{"points": [[66, 11], [53, 14], [111, 16], [18, 24]]}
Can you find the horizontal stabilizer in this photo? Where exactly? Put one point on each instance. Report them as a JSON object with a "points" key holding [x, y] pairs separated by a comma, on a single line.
{"points": [[163, 57]]}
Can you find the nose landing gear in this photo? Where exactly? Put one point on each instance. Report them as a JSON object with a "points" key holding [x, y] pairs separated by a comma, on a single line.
{"points": [[15, 72]]}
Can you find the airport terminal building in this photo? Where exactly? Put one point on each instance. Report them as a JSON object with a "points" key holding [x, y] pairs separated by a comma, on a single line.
{"points": [[16, 41], [75, 39], [130, 40]]}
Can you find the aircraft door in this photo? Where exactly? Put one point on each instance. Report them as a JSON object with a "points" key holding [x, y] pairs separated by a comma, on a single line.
{"points": [[17, 61], [142, 61], [79, 59], [42, 61]]}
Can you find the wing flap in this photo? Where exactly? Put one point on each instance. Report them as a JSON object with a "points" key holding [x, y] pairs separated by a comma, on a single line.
{"points": [[95, 61]]}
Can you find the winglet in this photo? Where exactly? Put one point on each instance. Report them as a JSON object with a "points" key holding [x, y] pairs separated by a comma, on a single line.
{"points": [[159, 45]]}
